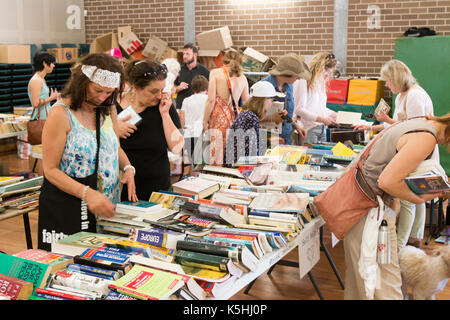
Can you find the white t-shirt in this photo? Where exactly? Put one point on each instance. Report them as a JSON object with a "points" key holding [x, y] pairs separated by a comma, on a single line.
{"points": [[194, 109], [418, 103], [310, 104]]}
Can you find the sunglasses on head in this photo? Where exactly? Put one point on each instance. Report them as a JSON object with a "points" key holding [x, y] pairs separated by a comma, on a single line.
{"points": [[155, 71], [330, 56]]}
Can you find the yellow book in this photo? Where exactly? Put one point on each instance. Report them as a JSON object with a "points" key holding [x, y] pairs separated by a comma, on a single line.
{"points": [[341, 149]]}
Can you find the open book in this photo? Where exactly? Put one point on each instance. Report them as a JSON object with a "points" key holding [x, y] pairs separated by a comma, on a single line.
{"points": [[382, 106]]}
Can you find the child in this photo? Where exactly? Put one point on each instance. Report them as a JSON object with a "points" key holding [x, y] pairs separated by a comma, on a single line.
{"points": [[192, 111], [243, 137]]}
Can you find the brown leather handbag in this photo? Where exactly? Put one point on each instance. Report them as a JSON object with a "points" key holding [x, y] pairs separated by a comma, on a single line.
{"points": [[349, 199], [35, 127]]}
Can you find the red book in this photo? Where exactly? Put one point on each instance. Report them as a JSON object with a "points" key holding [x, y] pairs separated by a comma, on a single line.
{"points": [[60, 294], [15, 288]]}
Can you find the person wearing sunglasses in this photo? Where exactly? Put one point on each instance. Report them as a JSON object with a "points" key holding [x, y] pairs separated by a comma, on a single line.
{"points": [[412, 101], [311, 112], [146, 143], [81, 152]]}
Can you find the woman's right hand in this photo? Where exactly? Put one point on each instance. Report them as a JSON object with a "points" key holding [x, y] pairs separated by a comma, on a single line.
{"points": [[125, 128], [359, 127], [99, 204], [327, 121]]}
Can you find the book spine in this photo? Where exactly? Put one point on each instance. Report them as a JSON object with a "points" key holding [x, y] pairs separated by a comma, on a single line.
{"points": [[202, 260], [100, 264], [81, 281], [232, 236], [275, 215], [49, 297], [57, 293], [115, 255], [206, 248], [97, 272], [249, 244]]}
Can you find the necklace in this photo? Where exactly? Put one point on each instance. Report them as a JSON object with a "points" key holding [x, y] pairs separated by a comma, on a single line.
{"points": [[87, 119]]}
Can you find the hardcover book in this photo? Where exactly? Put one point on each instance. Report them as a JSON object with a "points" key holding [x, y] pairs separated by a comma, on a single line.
{"points": [[16, 289], [197, 186]]}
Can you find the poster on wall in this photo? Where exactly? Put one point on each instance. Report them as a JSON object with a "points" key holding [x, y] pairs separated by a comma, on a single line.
{"points": [[42, 21]]}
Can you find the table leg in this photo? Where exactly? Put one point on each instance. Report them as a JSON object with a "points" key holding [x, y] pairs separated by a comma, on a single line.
{"points": [[26, 224]]}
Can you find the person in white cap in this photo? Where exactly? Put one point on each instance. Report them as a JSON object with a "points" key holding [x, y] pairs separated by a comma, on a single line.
{"points": [[243, 138]]}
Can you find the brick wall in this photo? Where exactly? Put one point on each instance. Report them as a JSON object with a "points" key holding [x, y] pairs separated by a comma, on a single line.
{"points": [[277, 27]]}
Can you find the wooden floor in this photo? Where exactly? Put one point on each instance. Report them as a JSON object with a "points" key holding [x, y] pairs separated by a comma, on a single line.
{"points": [[284, 283]]}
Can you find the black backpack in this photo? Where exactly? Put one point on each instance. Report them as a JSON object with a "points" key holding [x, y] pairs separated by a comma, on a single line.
{"points": [[419, 32]]}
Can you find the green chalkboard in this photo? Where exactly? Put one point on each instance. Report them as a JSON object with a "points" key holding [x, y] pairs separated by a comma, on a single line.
{"points": [[429, 61]]}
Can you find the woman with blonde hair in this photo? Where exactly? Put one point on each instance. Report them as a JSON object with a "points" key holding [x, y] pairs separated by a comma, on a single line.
{"points": [[226, 86], [411, 101], [311, 112]]}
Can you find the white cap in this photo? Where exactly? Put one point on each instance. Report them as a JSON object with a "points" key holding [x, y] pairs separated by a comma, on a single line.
{"points": [[264, 89]]}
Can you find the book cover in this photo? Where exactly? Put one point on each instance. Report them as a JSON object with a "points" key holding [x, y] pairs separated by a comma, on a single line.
{"points": [[285, 202], [427, 184], [141, 206], [147, 283], [35, 272], [79, 242], [54, 260], [16, 289], [169, 201], [135, 118], [157, 237]]}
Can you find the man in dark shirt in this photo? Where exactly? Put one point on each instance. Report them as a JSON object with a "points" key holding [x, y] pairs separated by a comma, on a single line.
{"points": [[188, 71]]}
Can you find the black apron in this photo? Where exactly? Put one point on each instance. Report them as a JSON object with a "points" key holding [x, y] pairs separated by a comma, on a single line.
{"points": [[61, 214]]}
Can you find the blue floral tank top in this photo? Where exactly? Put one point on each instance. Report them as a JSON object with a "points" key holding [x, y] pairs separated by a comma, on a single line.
{"points": [[78, 158]]}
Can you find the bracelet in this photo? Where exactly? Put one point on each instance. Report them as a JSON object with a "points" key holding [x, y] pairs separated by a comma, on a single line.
{"points": [[129, 166], [83, 194]]}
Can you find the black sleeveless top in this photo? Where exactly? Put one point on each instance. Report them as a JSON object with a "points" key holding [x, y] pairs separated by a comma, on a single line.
{"points": [[146, 149]]}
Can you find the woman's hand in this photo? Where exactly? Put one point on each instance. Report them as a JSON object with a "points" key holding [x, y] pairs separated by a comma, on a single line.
{"points": [[54, 94], [302, 132], [165, 104], [99, 204], [327, 121], [383, 117], [125, 129], [278, 117], [359, 127], [128, 179]]}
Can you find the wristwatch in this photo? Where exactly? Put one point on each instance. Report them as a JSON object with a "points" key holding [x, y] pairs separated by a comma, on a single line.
{"points": [[128, 166]]}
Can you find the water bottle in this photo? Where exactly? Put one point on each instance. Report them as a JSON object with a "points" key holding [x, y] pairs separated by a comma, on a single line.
{"points": [[384, 244]]}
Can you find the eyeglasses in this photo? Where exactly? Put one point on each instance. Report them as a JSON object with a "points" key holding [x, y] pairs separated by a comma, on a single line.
{"points": [[330, 56], [154, 71]]}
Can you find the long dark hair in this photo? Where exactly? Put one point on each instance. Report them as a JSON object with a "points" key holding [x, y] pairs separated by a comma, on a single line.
{"points": [[75, 88]]}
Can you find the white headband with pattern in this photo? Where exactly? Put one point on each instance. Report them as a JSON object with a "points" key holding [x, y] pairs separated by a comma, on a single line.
{"points": [[101, 77]]}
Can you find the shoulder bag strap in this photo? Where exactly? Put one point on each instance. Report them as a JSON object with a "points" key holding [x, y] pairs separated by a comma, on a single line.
{"points": [[97, 132], [229, 88]]}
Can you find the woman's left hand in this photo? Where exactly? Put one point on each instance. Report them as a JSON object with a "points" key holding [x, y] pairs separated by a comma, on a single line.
{"points": [[382, 117], [165, 104], [128, 179]]}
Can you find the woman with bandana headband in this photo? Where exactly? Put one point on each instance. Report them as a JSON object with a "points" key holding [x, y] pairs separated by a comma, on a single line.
{"points": [[81, 153]]}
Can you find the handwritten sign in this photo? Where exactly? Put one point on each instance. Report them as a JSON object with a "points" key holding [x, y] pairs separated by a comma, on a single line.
{"points": [[309, 247]]}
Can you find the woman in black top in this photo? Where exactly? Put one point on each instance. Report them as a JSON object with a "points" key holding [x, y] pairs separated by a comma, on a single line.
{"points": [[147, 143]]}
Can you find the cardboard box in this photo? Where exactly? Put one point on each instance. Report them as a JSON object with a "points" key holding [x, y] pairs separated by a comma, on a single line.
{"points": [[255, 61], [104, 43], [64, 55], [169, 53], [155, 48], [365, 92], [337, 91], [211, 59], [216, 39], [12, 53], [128, 40]]}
